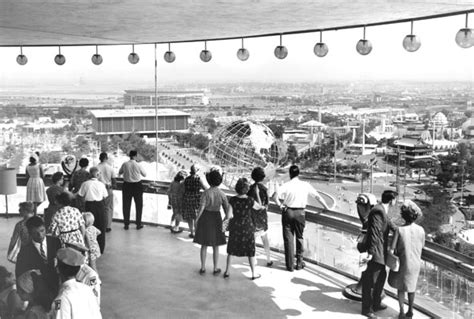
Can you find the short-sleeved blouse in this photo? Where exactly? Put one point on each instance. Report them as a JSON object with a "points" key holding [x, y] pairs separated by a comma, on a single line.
{"points": [[66, 225], [213, 198]]}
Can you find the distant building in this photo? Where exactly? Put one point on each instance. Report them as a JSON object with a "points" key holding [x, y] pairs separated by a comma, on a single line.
{"points": [[165, 98], [412, 149], [141, 121], [360, 149]]}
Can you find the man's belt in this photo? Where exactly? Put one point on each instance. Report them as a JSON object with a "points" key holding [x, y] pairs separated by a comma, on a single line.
{"points": [[296, 208]]}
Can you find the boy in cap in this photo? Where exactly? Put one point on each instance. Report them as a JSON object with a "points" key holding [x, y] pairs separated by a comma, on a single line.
{"points": [[75, 299]]}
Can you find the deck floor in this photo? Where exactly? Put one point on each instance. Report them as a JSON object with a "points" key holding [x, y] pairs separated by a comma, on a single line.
{"points": [[152, 273]]}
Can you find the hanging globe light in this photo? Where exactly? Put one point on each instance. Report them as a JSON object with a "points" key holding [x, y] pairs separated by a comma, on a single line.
{"points": [[205, 55], [96, 58], [411, 42], [281, 51], [364, 46], [243, 54], [320, 48], [133, 58], [465, 36], [21, 59], [169, 55], [59, 58]]}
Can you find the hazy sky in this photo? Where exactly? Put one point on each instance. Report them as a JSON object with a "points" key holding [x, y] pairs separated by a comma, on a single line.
{"points": [[438, 59]]}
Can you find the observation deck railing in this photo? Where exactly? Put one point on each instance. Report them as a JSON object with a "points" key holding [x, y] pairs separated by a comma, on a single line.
{"points": [[446, 282]]}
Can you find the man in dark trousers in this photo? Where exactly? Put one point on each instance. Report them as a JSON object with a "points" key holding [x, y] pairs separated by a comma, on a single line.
{"points": [[294, 195], [39, 253], [373, 279], [132, 188]]}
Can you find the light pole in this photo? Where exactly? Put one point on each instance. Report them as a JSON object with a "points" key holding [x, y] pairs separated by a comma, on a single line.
{"points": [[463, 162]]}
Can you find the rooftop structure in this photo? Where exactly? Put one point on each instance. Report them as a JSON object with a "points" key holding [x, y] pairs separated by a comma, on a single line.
{"points": [[167, 98], [141, 121]]}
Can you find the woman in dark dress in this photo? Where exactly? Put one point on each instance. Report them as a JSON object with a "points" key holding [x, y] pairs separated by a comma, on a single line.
{"points": [[192, 196], [242, 226], [260, 216], [209, 221]]}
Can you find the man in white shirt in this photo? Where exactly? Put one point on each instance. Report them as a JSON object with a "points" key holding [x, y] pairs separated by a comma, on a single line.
{"points": [[294, 196], [107, 176], [75, 299], [132, 188], [94, 192]]}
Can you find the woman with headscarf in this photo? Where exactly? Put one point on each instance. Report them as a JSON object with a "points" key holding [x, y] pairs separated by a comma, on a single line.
{"points": [[67, 224], [192, 196], [259, 193], [35, 189], [209, 221], [408, 247]]}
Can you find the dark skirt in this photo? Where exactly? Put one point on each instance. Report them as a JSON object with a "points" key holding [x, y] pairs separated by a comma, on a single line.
{"points": [[209, 230]]}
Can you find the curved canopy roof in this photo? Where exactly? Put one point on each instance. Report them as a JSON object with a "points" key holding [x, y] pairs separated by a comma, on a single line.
{"points": [[54, 22]]}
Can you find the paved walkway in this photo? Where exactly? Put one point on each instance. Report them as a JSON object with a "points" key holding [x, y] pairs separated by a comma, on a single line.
{"points": [[153, 274]]}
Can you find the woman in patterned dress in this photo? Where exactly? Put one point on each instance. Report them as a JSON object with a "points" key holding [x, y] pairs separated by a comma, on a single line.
{"points": [[35, 190], [192, 197], [260, 216], [242, 227], [68, 224], [209, 221]]}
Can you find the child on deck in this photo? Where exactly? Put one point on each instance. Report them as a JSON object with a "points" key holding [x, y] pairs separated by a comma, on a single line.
{"points": [[91, 239], [20, 232]]}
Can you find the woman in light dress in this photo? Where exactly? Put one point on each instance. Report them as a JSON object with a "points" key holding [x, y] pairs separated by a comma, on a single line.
{"points": [[35, 189], [408, 247]]}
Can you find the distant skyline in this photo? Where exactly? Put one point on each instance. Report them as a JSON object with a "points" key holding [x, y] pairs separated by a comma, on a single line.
{"points": [[438, 60]]}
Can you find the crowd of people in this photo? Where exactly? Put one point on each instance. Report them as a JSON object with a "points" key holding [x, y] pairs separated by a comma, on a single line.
{"points": [[56, 257], [246, 219]]}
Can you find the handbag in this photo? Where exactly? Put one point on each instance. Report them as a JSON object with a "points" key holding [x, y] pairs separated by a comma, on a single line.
{"points": [[225, 225], [392, 260], [362, 241], [13, 254]]}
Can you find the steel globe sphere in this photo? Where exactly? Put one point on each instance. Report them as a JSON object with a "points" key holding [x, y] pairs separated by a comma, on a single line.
{"points": [[97, 59]]}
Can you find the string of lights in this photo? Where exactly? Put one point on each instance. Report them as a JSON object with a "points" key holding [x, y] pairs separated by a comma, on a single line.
{"points": [[464, 38]]}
